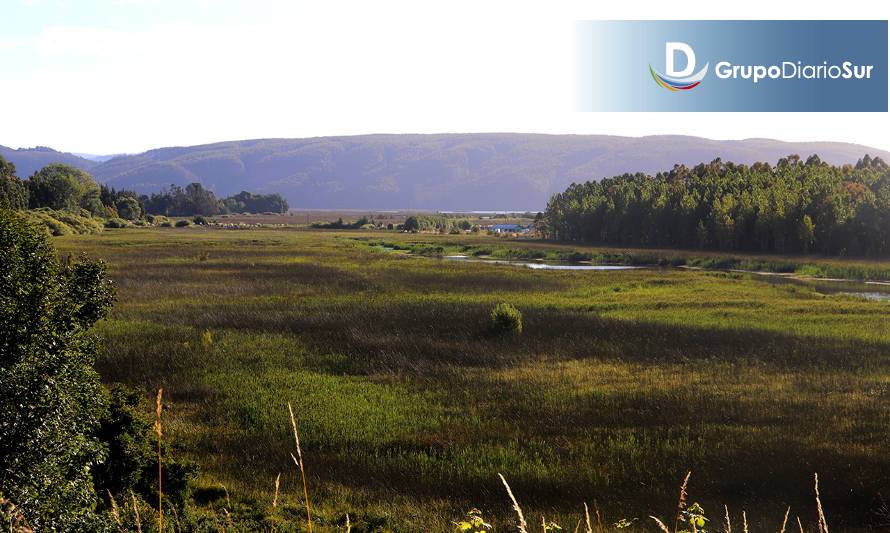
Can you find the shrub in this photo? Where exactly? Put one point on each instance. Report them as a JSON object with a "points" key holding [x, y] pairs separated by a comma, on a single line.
{"points": [[183, 223], [199, 220], [80, 222], [54, 226], [116, 223], [63, 222], [50, 395], [209, 494], [166, 224], [128, 208], [506, 319], [131, 461]]}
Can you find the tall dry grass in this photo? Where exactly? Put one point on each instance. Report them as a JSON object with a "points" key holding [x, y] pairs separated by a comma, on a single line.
{"points": [[159, 431], [115, 512], [679, 522], [136, 512], [823, 524], [523, 526], [785, 520], [298, 460], [275, 500]]}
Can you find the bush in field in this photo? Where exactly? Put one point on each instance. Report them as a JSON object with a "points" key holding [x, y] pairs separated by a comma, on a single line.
{"points": [[44, 217], [166, 224], [50, 396], [183, 223], [116, 223], [79, 221], [199, 220], [506, 319], [128, 208], [63, 222]]}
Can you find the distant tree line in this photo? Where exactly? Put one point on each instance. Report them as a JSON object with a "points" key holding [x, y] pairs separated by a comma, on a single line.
{"points": [[440, 223], [63, 187], [194, 199], [792, 207]]}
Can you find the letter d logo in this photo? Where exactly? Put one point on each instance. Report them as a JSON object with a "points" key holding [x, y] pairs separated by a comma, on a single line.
{"points": [[670, 50], [681, 80]]}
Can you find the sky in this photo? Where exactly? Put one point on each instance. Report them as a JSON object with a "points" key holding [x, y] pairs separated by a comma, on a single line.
{"points": [[124, 76]]}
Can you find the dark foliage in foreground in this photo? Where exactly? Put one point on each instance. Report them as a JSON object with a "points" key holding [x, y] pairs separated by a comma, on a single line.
{"points": [[792, 207], [50, 395], [65, 442]]}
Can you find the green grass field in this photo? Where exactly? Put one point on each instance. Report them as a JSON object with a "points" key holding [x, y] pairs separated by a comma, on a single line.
{"points": [[408, 406]]}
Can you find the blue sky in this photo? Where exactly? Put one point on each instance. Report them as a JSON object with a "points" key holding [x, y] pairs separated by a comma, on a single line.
{"points": [[109, 76]]}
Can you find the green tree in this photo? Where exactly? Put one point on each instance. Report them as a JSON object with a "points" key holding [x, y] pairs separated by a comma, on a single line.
{"points": [[412, 224], [13, 192], [51, 400], [128, 208], [806, 232], [246, 202], [59, 186]]}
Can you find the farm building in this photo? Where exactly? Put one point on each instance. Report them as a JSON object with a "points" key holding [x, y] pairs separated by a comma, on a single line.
{"points": [[509, 228]]}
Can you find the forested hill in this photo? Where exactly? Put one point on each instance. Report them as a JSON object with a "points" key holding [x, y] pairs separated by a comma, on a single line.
{"points": [[794, 206], [496, 171], [27, 161]]}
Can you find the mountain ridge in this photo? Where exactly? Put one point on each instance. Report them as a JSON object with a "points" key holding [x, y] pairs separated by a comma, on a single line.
{"points": [[436, 171]]}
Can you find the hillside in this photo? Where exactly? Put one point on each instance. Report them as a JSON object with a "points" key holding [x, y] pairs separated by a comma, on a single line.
{"points": [[29, 160], [498, 171]]}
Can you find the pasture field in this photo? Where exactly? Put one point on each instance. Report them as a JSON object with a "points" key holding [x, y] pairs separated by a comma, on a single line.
{"points": [[408, 406]]}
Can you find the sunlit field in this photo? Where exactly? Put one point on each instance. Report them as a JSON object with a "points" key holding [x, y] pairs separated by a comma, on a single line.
{"points": [[409, 406]]}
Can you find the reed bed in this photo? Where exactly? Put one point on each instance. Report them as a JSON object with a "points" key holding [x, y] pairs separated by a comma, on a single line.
{"points": [[407, 406]]}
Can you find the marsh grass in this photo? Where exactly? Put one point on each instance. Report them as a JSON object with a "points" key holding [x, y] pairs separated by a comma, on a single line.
{"points": [[817, 267], [688, 519], [619, 382]]}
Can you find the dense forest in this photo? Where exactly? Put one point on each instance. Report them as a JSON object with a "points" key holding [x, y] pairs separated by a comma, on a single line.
{"points": [[794, 206]]}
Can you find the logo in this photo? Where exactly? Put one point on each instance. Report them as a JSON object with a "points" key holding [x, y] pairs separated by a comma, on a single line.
{"points": [[682, 80], [791, 65]]}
